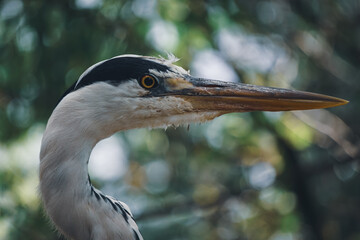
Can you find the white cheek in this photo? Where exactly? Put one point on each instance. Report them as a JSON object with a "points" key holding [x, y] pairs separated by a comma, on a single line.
{"points": [[164, 112], [130, 88], [187, 118], [102, 109]]}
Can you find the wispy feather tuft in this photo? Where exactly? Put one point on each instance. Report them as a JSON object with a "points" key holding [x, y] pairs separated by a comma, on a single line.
{"points": [[171, 58]]}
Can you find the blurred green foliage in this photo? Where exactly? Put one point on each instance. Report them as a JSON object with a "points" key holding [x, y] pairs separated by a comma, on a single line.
{"points": [[243, 176]]}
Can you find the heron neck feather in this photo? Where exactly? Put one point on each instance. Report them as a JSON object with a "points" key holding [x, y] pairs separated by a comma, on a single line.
{"points": [[65, 188]]}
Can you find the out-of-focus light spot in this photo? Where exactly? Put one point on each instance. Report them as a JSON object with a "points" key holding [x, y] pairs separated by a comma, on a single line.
{"points": [[108, 160], [30, 91], [349, 9], [297, 132], [345, 171], [206, 194], [356, 166], [282, 201], [158, 175], [27, 191], [273, 116], [55, 35], [311, 43], [267, 197], [284, 71], [315, 45], [88, 3], [114, 10], [163, 36], [20, 162], [248, 51], [7, 201], [270, 12], [157, 142], [137, 137], [238, 125], [238, 210], [144, 8], [19, 112], [210, 64], [285, 203], [174, 11], [257, 53], [262, 175], [26, 39], [218, 17], [11, 9], [25, 153], [214, 132]]}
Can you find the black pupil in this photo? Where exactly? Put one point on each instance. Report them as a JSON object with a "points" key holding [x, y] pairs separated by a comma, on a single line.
{"points": [[148, 81]]}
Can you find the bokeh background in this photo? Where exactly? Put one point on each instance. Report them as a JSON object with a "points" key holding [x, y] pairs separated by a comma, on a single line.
{"points": [[277, 176]]}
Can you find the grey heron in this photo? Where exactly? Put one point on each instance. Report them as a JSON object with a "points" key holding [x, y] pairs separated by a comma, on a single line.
{"points": [[127, 92]]}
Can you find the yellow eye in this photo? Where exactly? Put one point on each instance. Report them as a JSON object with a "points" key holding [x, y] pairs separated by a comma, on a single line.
{"points": [[148, 82]]}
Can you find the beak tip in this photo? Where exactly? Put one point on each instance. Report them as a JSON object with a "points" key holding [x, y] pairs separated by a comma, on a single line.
{"points": [[328, 102], [340, 102]]}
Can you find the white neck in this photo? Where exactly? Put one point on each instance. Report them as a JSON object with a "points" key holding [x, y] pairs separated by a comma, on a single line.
{"points": [[78, 210]]}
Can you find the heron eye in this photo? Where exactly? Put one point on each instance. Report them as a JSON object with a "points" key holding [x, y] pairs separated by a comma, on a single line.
{"points": [[148, 82]]}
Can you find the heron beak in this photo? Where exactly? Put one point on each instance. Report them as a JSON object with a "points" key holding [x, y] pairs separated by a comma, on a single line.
{"points": [[212, 95]]}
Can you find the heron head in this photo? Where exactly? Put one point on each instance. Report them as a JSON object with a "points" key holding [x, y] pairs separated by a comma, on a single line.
{"points": [[131, 91]]}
